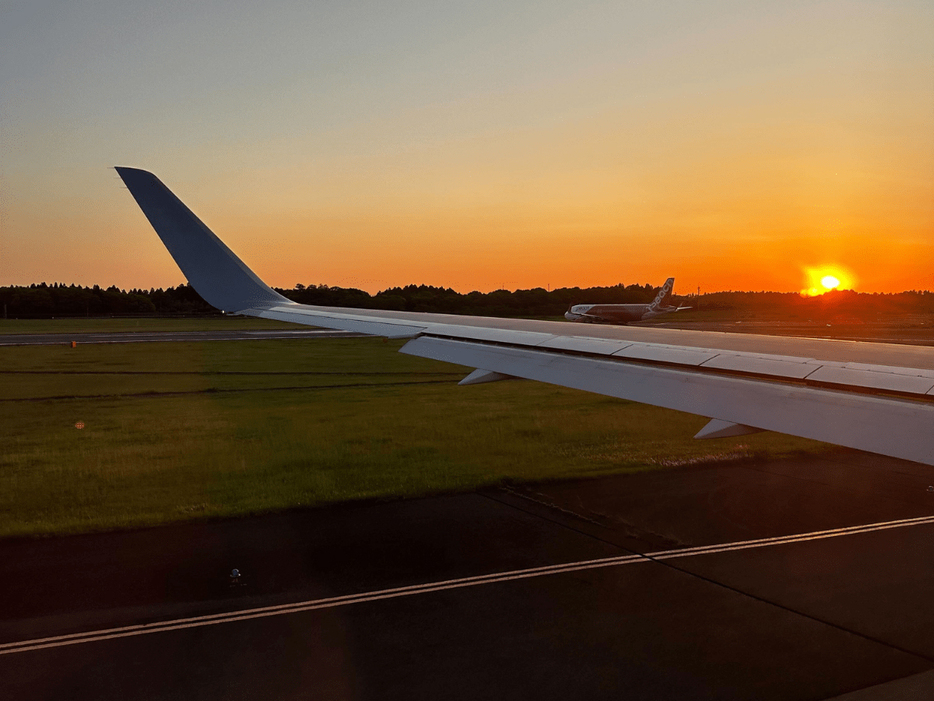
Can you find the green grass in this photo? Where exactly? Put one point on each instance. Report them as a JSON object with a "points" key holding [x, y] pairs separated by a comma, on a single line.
{"points": [[176, 431]]}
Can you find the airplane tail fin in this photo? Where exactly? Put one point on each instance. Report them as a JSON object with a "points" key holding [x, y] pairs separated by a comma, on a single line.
{"points": [[216, 273], [663, 298]]}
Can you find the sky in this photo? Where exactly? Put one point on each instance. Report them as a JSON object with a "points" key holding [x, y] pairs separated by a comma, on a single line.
{"points": [[478, 146]]}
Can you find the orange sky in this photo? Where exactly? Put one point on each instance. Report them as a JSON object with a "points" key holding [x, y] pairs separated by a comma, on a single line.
{"points": [[733, 147]]}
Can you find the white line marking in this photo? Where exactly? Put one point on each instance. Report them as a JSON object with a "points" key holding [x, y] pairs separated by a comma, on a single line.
{"points": [[494, 578]]}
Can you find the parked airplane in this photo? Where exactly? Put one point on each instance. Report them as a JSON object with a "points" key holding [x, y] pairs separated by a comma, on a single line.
{"points": [[624, 313], [870, 396]]}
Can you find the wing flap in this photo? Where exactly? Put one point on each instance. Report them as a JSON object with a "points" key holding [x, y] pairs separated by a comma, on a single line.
{"points": [[885, 381], [677, 355], [786, 367], [599, 346]]}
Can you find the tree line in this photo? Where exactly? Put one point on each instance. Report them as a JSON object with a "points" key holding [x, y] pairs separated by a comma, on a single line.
{"points": [[58, 300]]}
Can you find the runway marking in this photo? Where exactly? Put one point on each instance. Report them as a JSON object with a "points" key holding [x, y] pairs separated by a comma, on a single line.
{"points": [[494, 578]]}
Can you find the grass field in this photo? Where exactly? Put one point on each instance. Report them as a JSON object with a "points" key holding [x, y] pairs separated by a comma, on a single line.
{"points": [[175, 431]]}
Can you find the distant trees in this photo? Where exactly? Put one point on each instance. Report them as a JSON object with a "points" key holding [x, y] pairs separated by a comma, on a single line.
{"points": [[43, 301], [444, 300]]}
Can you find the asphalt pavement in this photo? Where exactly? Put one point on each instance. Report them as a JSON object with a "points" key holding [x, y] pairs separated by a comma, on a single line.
{"points": [[57, 339], [792, 579]]}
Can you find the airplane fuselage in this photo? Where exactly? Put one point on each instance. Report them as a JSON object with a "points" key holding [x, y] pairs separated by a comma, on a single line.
{"points": [[612, 313], [624, 313]]}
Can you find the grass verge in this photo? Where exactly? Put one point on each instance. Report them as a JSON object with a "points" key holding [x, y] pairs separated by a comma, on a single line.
{"points": [[178, 431]]}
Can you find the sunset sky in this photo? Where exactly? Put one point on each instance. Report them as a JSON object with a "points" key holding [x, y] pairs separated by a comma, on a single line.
{"points": [[734, 145]]}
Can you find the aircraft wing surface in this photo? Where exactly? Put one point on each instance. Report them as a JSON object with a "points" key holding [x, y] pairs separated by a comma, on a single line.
{"points": [[870, 396]]}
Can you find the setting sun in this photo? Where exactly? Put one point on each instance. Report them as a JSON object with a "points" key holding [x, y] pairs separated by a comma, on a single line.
{"points": [[825, 278]]}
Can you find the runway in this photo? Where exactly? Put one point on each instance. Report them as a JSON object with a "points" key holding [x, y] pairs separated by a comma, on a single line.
{"points": [[794, 579], [56, 339]]}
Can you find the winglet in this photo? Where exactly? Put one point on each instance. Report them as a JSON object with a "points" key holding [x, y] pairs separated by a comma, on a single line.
{"points": [[216, 273]]}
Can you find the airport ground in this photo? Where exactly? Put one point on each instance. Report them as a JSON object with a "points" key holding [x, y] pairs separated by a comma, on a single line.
{"points": [[913, 329], [643, 586], [113, 434], [805, 577]]}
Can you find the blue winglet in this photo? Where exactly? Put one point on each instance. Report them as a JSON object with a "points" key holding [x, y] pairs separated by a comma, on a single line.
{"points": [[222, 279]]}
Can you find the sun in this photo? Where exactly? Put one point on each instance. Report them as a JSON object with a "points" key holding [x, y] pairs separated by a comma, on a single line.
{"points": [[823, 279]]}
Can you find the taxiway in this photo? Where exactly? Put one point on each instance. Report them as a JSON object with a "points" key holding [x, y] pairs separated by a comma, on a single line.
{"points": [[792, 579]]}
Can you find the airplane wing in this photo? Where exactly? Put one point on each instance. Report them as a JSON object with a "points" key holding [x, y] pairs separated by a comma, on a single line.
{"points": [[870, 396]]}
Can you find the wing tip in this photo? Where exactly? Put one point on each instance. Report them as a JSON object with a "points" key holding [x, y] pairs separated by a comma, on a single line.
{"points": [[128, 171]]}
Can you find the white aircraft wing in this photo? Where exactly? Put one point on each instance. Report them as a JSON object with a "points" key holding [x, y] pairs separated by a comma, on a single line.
{"points": [[870, 396]]}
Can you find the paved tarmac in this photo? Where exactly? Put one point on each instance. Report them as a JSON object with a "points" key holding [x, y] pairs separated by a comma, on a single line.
{"points": [[914, 330], [57, 339], [792, 579]]}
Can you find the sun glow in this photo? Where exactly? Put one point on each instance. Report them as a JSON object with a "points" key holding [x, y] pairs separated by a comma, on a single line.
{"points": [[821, 280]]}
